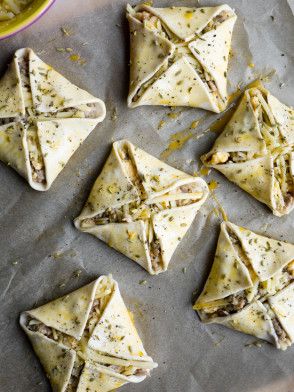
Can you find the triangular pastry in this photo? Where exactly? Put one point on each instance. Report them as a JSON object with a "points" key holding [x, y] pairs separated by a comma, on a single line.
{"points": [[86, 340], [43, 119], [179, 56], [141, 206], [250, 287]]}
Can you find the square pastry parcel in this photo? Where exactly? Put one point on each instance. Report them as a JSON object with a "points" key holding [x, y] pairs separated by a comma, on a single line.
{"points": [[250, 287], [86, 340], [141, 206], [180, 55], [44, 119]]}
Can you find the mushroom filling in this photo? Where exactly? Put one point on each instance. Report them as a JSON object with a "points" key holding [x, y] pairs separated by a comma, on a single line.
{"points": [[73, 383], [234, 303], [89, 110], [153, 23], [279, 330], [128, 370], [282, 335]]}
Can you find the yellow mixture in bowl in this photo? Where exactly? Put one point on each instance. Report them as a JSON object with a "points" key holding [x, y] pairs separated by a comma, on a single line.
{"points": [[10, 8]]}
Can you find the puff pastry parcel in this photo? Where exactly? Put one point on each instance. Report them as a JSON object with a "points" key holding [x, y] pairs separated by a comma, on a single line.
{"points": [[179, 56], [86, 340], [141, 206], [251, 286], [256, 150], [43, 119]]}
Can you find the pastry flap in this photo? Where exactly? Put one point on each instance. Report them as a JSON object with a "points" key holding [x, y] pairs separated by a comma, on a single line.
{"points": [[254, 176], [284, 116], [179, 85], [13, 147], [127, 238], [149, 52], [241, 134], [68, 314], [282, 305], [95, 378], [252, 320], [51, 91], [171, 225], [59, 139], [56, 359], [267, 256], [11, 100], [157, 177], [112, 189], [228, 274], [115, 334], [185, 22], [213, 52]]}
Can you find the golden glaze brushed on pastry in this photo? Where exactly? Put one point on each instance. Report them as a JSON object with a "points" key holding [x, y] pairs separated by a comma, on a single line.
{"points": [[86, 340], [250, 287], [256, 150], [43, 119], [141, 206], [179, 56]]}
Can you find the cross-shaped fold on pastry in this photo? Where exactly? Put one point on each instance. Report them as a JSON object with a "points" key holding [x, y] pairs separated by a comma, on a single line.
{"points": [[251, 286], [86, 340], [141, 206], [179, 56], [256, 150], [43, 119]]}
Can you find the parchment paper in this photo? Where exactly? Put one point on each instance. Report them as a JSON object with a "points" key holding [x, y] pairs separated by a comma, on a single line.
{"points": [[43, 256]]}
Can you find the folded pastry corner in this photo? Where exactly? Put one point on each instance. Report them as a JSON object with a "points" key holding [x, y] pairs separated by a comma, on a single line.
{"points": [[141, 206], [43, 119], [256, 150], [179, 56], [86, 341], [250, 287]]}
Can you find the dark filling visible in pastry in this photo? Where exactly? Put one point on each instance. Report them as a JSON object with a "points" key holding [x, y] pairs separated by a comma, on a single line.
{"points": [[29, 121], [153, 22], [70, 342], [73, 383], [271, 134], [282, 335], [5, 121], [236, 302], [35, 153], [139, 210]]}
